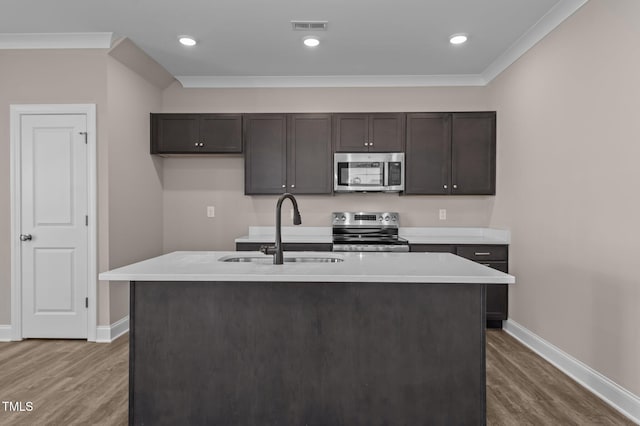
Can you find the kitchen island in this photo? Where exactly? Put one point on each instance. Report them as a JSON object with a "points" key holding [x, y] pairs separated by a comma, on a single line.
{"points": [[358, 339]]}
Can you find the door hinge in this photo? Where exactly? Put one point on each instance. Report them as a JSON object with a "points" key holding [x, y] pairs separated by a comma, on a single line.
{"points": [[86, 220], [85, 134], [86, 302]]}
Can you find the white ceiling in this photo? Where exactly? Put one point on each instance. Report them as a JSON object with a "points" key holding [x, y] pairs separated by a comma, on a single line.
{"points": [[250, 43]]}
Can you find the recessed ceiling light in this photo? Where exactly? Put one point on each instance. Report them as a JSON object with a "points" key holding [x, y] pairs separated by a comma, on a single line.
{"points": [[187, 40], [311, 41], [458, 38]]}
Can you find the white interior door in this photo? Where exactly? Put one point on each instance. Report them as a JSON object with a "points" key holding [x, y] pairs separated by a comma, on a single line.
{"points": [[54, 233]]}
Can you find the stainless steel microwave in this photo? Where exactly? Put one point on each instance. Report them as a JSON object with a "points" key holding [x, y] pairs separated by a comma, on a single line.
{"points": [[363, 172]]}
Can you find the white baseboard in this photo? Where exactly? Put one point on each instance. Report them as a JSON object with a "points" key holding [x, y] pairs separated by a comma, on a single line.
{"points": [[610, 392], [108, 333], [5, 333]]}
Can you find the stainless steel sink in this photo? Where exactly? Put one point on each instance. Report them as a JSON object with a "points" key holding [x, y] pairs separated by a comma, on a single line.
{"points": [[287, 259]]}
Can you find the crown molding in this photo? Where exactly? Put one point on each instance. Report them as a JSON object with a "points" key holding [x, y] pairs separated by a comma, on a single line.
{"points": [[56, 41], [330, 81], [560, 12]]}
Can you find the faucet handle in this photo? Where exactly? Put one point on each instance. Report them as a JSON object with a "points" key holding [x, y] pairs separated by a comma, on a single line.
{"points": [[271, 250]]}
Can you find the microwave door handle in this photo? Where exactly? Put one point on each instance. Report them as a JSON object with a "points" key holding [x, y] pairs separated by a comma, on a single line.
{"points": [[385, 174]]}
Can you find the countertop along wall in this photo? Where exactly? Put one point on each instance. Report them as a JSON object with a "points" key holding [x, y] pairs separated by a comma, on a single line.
{"points": [[568, 179], [191, 184]]}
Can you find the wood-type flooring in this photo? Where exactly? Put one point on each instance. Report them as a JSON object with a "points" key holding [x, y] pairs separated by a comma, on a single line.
{"points": [[72, 382]]}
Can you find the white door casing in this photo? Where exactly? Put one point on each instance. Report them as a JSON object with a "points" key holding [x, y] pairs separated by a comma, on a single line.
{"points": [[53, 162]]}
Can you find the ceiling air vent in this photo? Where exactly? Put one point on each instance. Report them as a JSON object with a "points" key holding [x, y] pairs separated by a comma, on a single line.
{"points": [[309, 25]]}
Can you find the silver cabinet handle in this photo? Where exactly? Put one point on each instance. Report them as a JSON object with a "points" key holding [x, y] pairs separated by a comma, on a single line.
{"points": [[197, 144], [366, 144], [284, 186], [482, 253], [455, 186], [293, 186], [26, 237], [444, 186]]}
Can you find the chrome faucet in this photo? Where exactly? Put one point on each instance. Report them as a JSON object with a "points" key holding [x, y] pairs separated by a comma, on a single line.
{"points": [[276, 251]]}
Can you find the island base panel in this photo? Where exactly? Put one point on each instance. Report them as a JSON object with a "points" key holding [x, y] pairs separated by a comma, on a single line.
{"points": [[247, 353]]}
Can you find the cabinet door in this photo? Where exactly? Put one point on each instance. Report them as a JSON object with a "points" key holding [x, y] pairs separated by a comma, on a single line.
{"points": [[221, 133], [174, 133], [428, 154], [265, 156], [351, 132], [309, 162], [386, 132], [497, 295], [473, 166], [496, 257]]}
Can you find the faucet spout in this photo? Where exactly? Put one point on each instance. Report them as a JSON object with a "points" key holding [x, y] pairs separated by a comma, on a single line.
{"points": [[277, 251]]}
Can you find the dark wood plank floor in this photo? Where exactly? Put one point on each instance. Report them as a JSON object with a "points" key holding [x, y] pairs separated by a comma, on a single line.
{"points": [[80, 383]]}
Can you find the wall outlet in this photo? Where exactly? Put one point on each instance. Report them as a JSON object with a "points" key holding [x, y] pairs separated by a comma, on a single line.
{"points": [[211, 211], [442, 214]]}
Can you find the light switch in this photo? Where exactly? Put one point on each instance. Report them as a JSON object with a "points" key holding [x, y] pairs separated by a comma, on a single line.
{"points": [[443, 214], [211, 211]]}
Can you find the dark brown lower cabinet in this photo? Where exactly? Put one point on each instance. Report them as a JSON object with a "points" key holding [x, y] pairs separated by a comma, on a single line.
{"points": [[493, 256], [300, 353]]}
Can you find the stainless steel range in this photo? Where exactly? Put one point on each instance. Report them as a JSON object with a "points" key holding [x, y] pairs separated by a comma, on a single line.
{"points": [[367, 231]]}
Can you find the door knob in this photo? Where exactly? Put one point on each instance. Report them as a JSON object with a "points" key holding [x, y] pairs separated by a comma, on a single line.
{"points": [[25, 237]]}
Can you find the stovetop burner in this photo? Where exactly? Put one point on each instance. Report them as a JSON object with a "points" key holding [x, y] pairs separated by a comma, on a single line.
{"points": [[367, 231]]}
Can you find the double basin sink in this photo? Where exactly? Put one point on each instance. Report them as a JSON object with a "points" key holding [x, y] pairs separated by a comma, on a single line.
{"points": [[287, 259]]}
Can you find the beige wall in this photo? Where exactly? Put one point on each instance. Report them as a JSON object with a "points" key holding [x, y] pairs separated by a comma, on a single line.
{"points": [[568, 181], [43, 77], [129, 180], [135, 178], [191, 184]]}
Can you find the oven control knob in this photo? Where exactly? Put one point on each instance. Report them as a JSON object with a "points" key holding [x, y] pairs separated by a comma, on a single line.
{"points": [[386, 218], [342, 217]]}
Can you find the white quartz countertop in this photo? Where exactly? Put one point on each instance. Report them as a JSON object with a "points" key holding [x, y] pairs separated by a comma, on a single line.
{"points": [[355, 267], [452, 235], [415, 235]]}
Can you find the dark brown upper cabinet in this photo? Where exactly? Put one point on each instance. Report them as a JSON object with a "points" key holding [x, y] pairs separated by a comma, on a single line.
{"points": [[378, 132], [428, 153], [451, 153], [287, 153], [196, 133], [309, 159], [473, 153]]}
